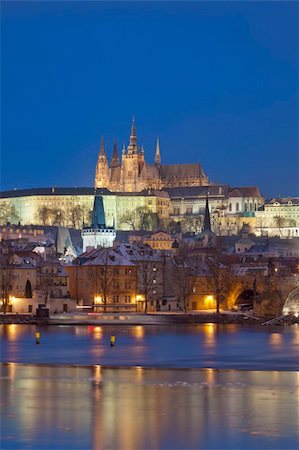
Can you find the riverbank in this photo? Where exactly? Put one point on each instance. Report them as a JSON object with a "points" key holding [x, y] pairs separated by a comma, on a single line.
{"points": [[138, 319], [131, 319]]}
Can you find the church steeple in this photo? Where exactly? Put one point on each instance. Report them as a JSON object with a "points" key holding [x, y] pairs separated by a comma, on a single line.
{"points": [[133, 147], [115, 161], [158, 154], [207, 219], [102, 148], [102, 169]]}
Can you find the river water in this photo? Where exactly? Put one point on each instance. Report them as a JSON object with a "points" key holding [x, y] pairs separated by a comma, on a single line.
{"points": [[203, 386]]}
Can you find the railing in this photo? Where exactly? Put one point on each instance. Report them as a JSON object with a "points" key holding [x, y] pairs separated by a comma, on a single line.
{"points": [[280, 319]]}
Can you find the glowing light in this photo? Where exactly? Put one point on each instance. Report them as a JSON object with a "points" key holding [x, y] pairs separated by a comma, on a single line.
{"points": [[209, 301], [98, 299], [140, 298], [97, 332]]}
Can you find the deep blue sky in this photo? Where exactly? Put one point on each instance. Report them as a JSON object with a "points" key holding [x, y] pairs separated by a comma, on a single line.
{"points": [[217, 81]]}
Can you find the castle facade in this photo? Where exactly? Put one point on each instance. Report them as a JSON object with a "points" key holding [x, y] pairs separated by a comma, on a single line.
{"points": [[131, 173]]}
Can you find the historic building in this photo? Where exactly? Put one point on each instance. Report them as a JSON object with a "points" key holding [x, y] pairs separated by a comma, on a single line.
{"points": [[279, 217], [131, 172], [98, 234]]}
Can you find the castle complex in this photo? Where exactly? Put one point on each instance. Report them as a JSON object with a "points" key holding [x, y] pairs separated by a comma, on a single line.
{"points": [[129, 186], [131, 173]]}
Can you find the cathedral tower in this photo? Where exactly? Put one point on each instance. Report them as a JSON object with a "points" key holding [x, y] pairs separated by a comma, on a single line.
{"points": [[102, 177], [132, 160], [158, 154], [115, 161]]}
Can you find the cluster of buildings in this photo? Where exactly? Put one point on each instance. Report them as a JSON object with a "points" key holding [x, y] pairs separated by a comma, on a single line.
{"points": [[139, 271], [147, 237]]}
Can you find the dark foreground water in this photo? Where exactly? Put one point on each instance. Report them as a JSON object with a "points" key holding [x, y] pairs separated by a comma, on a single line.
{"points": [[132, 409], [209, 387]]}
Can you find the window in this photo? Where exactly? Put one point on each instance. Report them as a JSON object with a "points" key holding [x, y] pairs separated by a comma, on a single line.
{"points": [[237, 207], [127, 285], [115, 271], [246, 207], [30, 308], [230, 207], [189, 210]]}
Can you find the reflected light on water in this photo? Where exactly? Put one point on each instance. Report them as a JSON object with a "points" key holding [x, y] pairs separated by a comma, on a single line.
{"points": [[12, 370], [138, 332], [209, 334], [81, 331], [12, 332], [97, 332], [139, 373], [210, 376], [275, 339]]}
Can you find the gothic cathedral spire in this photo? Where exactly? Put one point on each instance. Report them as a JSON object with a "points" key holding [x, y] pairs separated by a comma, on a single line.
{"points": [[102, 168], [158, 154], [102, 148], [133, 147], [115, 161]]}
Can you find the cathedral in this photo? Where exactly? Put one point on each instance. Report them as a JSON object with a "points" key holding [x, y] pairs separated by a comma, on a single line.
{"points": [[131, 173]]}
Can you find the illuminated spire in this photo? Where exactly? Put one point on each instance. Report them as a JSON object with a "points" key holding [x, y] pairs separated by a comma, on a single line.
{"points": [[115, 157], [158, 154], [102, 148], [133, 147]]}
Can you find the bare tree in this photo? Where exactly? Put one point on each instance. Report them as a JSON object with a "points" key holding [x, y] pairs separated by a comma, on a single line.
{"points": [[279, 222], [43, 215], [141, 218], [58, 217], [193, 224], [74, 216], [8, 214], [101, 275], [130, 218], [260, 225], [221, 277], [6, 274], [292, 222], [149, 276], [183, 275]]}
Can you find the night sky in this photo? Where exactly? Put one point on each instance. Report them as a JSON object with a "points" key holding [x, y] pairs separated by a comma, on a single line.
{"points": [[217, 81]]}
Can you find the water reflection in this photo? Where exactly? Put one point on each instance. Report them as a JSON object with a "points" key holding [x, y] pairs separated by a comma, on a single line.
{"points": [[209, 330], [276, 339], [201, 345], [83, 408]]}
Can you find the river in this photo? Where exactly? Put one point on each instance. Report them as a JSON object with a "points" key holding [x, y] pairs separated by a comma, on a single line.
{"points": [[203, 386]]}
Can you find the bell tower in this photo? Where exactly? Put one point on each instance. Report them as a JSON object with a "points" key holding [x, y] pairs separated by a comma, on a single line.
{"points": [[132, 158], [102, 169]]}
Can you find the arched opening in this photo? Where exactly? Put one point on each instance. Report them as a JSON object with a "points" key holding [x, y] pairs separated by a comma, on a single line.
{"points": [[291, 305], [244, 300], [28, 290]]}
